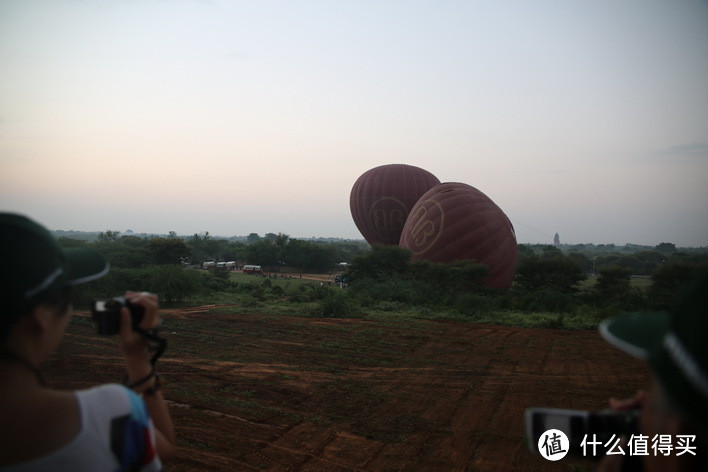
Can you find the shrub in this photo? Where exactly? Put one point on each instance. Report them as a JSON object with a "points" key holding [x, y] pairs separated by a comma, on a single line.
{"points": [[668, 280], [335, 304], [546, 300], [472, 304], [170, 282], [613, 289], [558, 273], [380, 263], [217, 284], [309, 293], [397, 289]]}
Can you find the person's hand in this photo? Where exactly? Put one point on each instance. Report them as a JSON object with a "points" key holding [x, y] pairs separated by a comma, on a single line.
{"points": [[614, 463], [634, 403], [134, 345]]}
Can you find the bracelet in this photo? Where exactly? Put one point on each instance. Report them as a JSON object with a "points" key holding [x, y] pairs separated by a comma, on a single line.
{"points": [[151, 391], [150, 335], [138, 383]]}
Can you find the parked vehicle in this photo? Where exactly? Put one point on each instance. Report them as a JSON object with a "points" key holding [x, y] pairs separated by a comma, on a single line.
{"points": [[252, 269]]}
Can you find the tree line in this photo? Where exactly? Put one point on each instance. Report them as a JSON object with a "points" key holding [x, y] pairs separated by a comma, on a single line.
{"points": [[158, 263], [272, 251], [548, 278]]}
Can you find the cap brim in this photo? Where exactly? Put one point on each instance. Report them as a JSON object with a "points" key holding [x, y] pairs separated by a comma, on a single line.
{"points": [[637, 334], [84, 265]]}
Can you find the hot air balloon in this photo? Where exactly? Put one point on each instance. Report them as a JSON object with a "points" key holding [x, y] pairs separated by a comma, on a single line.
{"points": [[455, 221], [382, 197]]}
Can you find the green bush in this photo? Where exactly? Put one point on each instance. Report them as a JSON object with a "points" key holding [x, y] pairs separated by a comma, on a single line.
{"points": [[335, 304], [308, 293], [388, 306], [397, 289], [547, 300], [472, 304], [381, 262], [557, 273], [670, 278], [171, 283], [217, 284]]}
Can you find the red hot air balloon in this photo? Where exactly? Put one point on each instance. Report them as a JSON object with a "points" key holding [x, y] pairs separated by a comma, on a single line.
{"points": [[454, 221], [382, 197]]}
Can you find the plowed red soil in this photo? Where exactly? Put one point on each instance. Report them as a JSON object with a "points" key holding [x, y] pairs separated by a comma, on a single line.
{"points": [[275, 393]]}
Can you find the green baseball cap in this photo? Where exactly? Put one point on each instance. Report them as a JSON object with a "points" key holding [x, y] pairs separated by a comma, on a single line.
{"points": [[674, 345], [33, 263]]}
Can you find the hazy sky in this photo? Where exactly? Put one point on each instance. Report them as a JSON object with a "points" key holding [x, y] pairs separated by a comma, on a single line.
{"points": [[587, 118]]}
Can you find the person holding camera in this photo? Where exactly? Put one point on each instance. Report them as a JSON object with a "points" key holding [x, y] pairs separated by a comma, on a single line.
{"points": [[674, 411], [106, 428]]}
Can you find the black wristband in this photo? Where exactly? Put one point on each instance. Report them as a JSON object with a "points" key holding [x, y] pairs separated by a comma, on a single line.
{"points": [[139, 382], [151, 391]]}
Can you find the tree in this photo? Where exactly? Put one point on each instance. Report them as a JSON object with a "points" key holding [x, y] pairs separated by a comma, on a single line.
{"points": [[281, 240], [348, 250], [666, 248], [379, 263], [119, 254], [234, 251], [670, 277], [582, 260], [109, 235], [168, 250], [613, 284], [559, 273], [551, 251], [525, 251], [456, 276], [263, 253], [547, 283], [308, 256], [206, 248]]}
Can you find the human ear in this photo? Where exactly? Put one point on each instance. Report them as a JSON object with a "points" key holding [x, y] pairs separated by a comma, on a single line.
{"points": [[41, 318]]}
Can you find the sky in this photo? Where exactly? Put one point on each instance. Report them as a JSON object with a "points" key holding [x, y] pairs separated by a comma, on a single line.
{"points": [[584, 118]]}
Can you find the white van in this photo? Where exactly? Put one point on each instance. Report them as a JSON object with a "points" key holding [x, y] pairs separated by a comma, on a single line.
{"points": [[252, 269]]}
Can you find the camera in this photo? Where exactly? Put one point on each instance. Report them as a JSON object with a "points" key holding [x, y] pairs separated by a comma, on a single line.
{"points": [[579, 424], [106, 314]]}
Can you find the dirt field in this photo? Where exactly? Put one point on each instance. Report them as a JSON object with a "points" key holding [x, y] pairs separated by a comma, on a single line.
{"points": [[251, 392]]}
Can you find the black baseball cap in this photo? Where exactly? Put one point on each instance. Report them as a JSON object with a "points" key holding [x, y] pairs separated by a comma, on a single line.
{"points": [[32, 263], [674, 345]]}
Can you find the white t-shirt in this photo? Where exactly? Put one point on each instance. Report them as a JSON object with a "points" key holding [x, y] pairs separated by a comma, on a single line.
{"points": [[116, 434]]}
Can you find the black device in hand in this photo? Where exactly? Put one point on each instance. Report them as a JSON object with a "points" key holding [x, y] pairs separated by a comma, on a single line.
{"points": [[106, 314]]}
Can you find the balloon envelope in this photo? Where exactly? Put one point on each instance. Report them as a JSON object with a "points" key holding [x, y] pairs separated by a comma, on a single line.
{"points": [[455, 221], [382, 197]]}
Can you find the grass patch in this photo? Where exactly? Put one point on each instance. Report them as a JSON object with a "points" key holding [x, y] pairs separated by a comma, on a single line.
{"points": [[540, 320]]}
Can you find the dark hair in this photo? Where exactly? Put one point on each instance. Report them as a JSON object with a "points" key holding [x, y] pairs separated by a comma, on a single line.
{"points": [[59, 298]]}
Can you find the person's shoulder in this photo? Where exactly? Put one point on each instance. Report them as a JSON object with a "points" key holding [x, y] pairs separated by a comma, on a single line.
{"points": [[113, 398], [112, 390]]}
